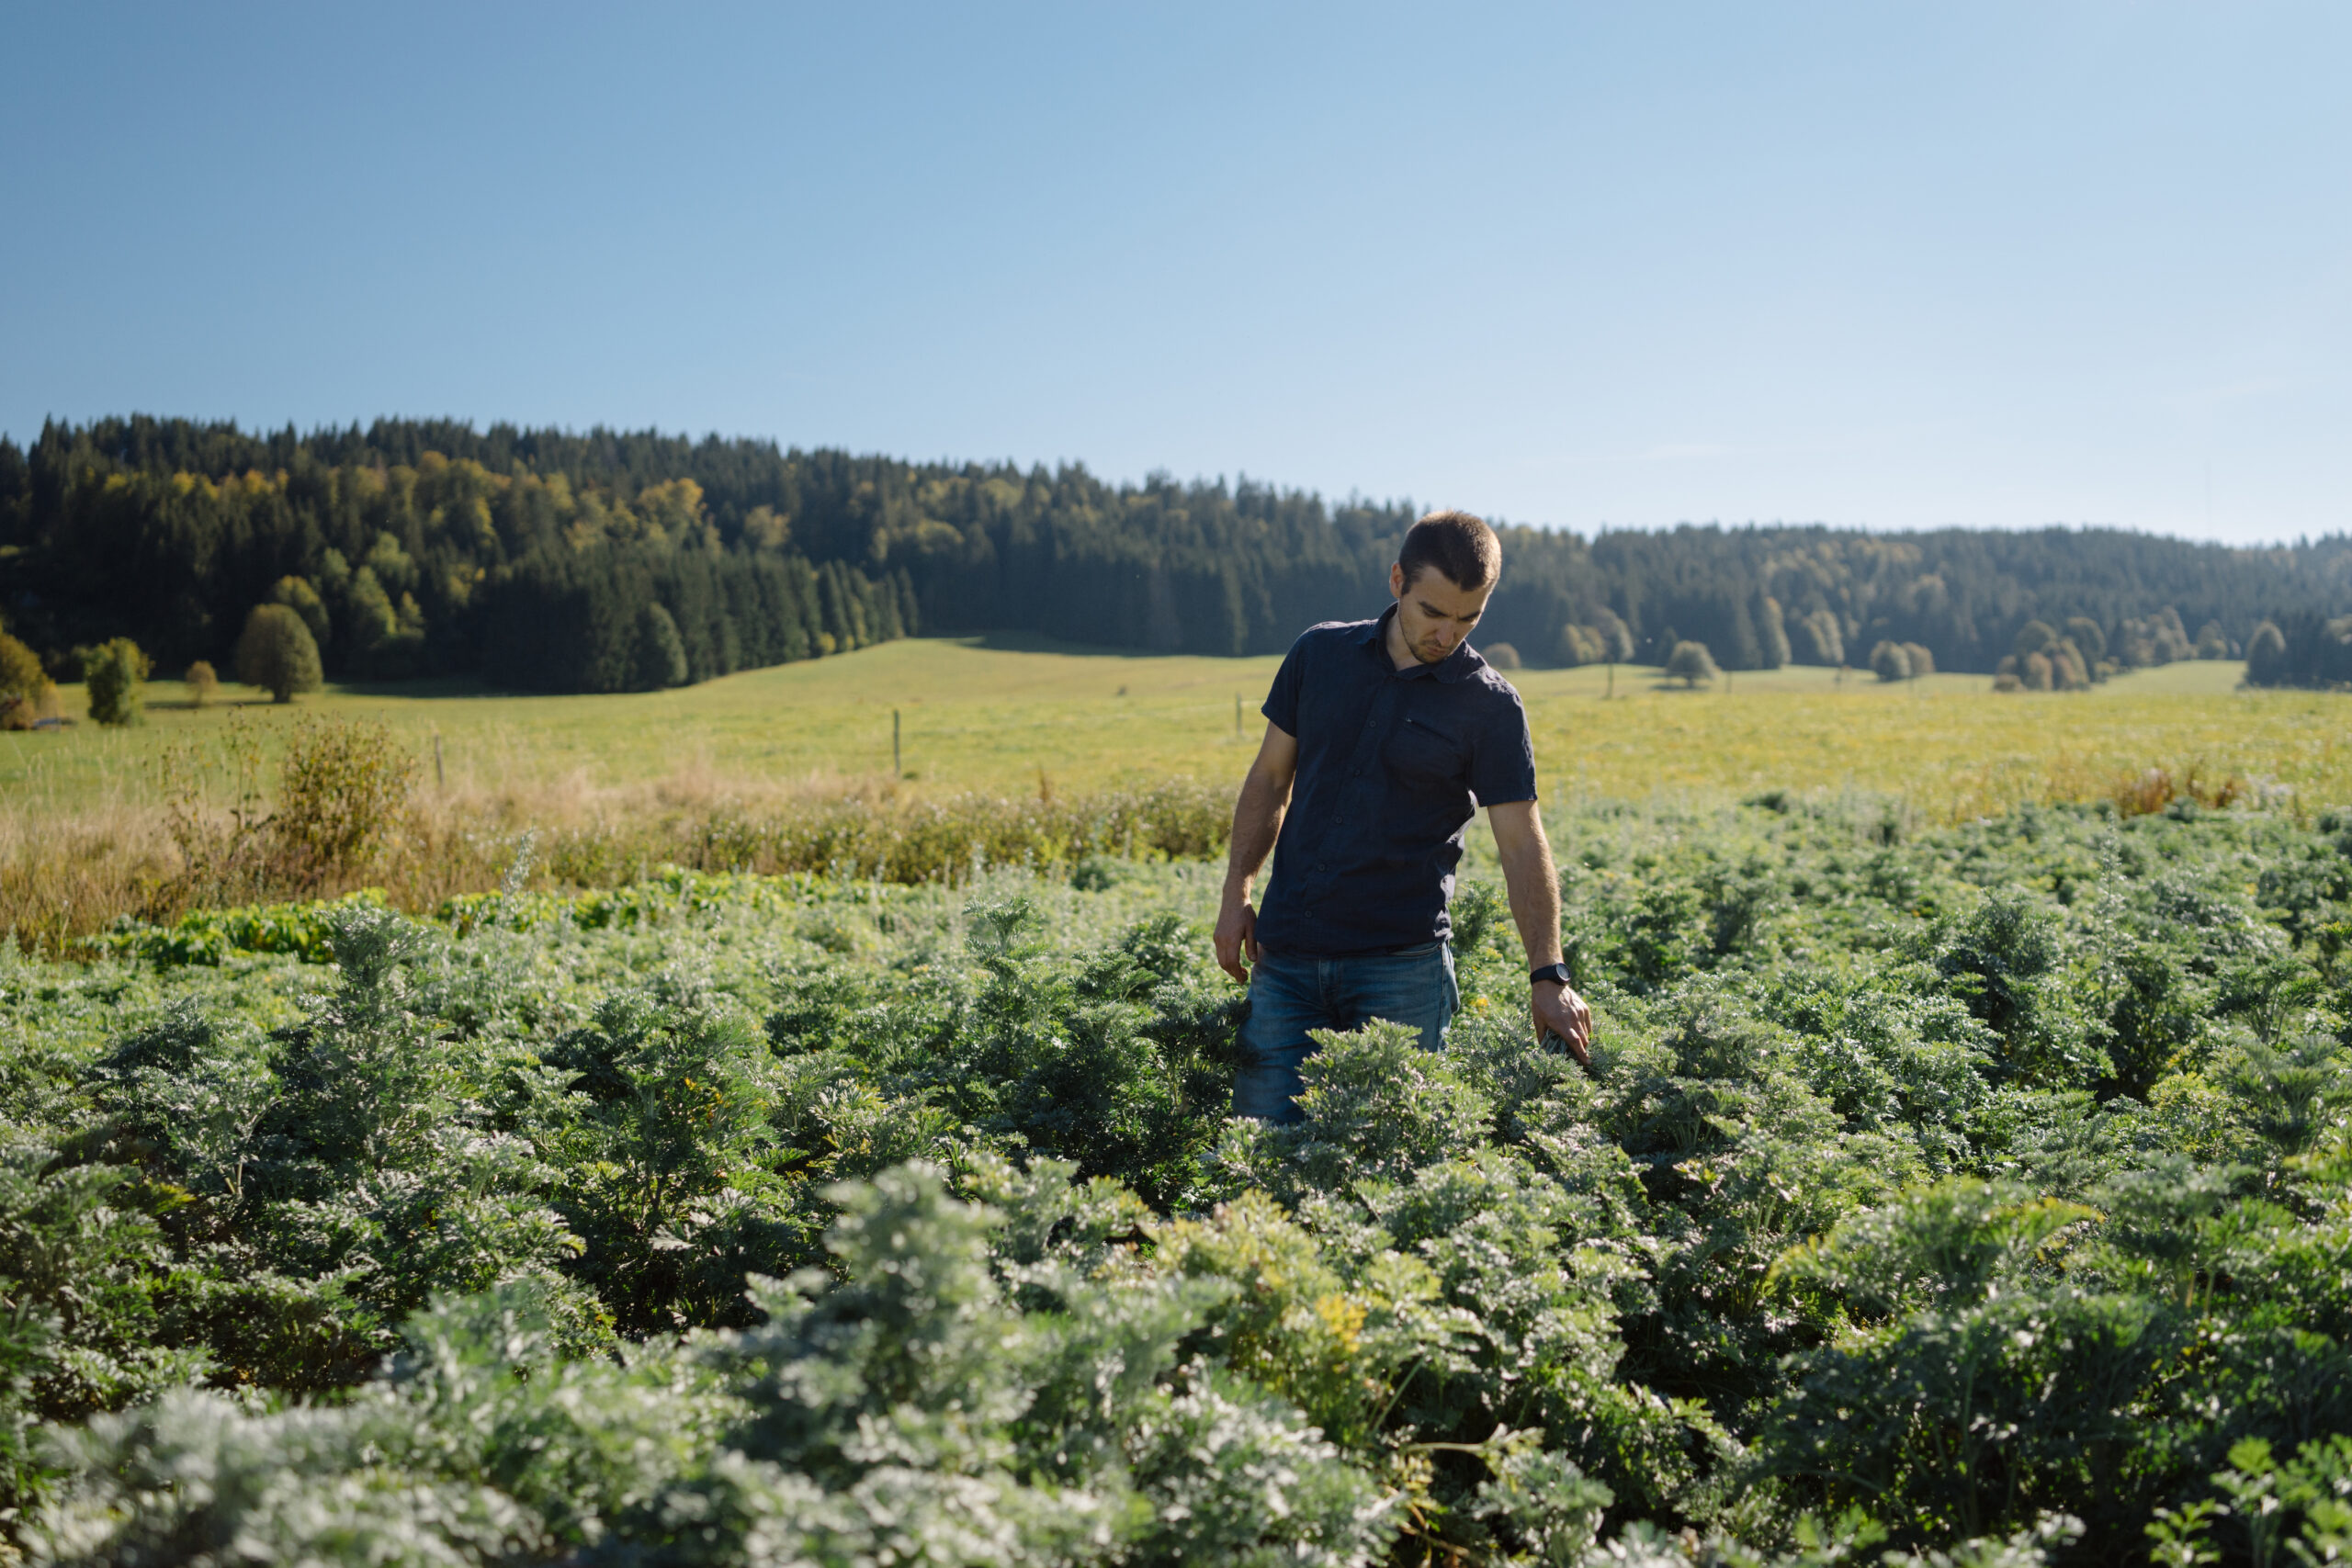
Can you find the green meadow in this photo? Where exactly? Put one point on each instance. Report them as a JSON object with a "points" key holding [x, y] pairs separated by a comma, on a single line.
{"points": [[1024, 716]]}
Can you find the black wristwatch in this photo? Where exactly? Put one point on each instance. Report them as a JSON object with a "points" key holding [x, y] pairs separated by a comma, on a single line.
{"points": [[1556, 972]]}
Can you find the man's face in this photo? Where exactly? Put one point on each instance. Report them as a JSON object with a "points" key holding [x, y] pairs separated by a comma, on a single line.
{"points": [[1433, 614]]}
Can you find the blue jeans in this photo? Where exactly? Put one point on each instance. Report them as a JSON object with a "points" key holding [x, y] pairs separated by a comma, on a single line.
{"points": [[1291, 993]]}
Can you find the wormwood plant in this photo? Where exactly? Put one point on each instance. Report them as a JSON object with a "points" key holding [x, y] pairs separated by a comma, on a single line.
{"points": [[915, 1411], [328, 1179], [1972, 1196], [669, 1120]]}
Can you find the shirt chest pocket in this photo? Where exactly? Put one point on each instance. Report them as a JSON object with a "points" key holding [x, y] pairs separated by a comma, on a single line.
{"points": [[1423, 757]]}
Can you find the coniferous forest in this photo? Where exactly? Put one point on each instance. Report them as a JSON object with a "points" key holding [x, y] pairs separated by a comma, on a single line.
{"points": [[608, 562]]}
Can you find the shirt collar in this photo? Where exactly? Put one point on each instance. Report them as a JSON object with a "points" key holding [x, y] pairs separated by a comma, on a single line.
{"points": [[1459, 665]]}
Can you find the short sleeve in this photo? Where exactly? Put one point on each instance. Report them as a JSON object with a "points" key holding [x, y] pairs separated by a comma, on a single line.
{"points": [[1503, 769], [1281, 702]]}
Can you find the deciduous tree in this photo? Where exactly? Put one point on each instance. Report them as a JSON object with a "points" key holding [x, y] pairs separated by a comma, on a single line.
{"points": [[275, 652], [114, 676], [1690, 664]]}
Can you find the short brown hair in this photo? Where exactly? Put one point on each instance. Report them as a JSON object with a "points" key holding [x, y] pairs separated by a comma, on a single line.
{"points": [[1459, 545]]}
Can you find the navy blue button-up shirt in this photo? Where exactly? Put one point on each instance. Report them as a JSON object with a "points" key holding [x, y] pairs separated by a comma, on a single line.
{"points": [[1392, 765]]}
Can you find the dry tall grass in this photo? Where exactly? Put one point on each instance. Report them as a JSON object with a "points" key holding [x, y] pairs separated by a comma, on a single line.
{"points": [[64, 876], [1027, 757]]}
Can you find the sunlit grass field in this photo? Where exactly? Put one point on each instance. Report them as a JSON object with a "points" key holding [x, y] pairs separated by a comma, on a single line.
{"points": [[1021, 716]]}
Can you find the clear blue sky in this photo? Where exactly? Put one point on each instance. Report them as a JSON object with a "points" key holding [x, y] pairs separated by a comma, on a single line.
{"points": [[1885, 263]]}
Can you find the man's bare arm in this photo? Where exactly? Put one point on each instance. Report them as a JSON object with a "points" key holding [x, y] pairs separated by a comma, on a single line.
{"points": [[1534, 885], [1257, 822]]}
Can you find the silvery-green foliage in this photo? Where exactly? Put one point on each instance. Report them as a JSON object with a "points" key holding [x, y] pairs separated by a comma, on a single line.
{"points": [[2027, 1548], [1546, 1511], [911, 1413], [1971, 1415], [1377, 1107], [188, 1094], [376, 1166], [1047, 1217], [191, 1479], [1739, 1157], [484, 1446], [2296, 1091], [1801, 1240], [2004, 958], [669, 1124], [1540, 1286], [1846, 1541], [80, 1331], [1063, 1057], [1232, 1477], [1890, 1061], [915, 1411], [1942, 1245]]}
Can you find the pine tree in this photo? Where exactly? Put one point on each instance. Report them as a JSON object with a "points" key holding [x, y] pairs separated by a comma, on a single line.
{"points": [[660, 655]]}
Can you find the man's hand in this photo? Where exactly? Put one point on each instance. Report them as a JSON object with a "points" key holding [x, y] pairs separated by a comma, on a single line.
{"points": [[1257, 822], [1237, 936], [1535, 886], [1561, 1011]]}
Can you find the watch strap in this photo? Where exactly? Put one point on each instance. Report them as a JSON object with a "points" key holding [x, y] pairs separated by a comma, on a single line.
{"points": [[1557, 972]]}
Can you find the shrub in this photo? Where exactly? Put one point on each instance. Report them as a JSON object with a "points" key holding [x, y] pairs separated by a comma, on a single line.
{"points": [[116, 672], [1922, 662], [23, 683], [1690, 664], [1503, 655], [276, 652], [1377, 1106], [2039, 674], [1890, 662], [202, 685], [2034, 637], [21, 675], [343, 790]]}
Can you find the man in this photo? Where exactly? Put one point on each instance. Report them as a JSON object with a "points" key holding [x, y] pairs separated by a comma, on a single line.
{"points": [[1383, 737]]}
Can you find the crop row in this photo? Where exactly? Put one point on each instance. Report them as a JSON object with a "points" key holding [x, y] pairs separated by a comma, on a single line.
{"points": [[1991, 1184]]}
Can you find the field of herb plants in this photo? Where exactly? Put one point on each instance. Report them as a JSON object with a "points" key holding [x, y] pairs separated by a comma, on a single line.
{"points": [[1969, 1194]]}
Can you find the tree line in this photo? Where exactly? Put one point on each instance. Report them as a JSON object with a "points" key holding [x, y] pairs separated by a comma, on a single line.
{"points": [[610, 560]]}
